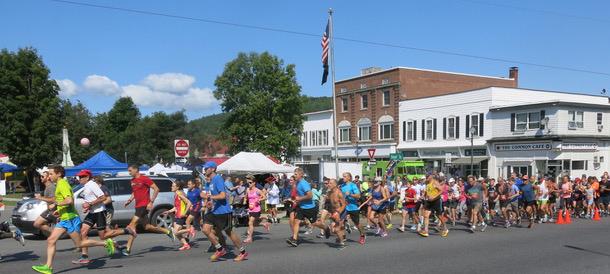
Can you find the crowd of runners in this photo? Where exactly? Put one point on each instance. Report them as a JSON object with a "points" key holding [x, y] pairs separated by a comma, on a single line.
{"points": [[213, 203]]}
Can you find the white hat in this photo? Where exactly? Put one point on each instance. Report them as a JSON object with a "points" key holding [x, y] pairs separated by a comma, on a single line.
{"points": [[423, 178], [451, 180]]}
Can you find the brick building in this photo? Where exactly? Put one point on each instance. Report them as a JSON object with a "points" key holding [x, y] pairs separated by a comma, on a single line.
{"points": [[367, 105]]}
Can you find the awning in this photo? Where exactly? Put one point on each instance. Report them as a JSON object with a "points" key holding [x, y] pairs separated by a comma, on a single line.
{"points": [[466, 160]]}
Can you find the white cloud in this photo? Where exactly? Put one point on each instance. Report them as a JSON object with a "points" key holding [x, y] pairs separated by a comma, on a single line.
{"points": [[169, 82], [67, 88], [101, 84]]}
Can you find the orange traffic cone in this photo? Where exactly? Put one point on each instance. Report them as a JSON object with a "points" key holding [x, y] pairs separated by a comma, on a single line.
{"points": [[568, 220], [596, 215], [560, 218]]}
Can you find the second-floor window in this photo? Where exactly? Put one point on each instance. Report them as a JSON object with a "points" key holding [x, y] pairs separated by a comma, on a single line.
{"points": [[344, 104], [344, 134], [386, 98], [575, 119], [429, 129], [385, 81], [386, 131], [410, 136], [364, 101], [600, 117], [451, 129], [304, 139]]}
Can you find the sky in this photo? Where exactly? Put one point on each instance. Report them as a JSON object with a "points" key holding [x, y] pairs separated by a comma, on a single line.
{"points": [[167, 64]]}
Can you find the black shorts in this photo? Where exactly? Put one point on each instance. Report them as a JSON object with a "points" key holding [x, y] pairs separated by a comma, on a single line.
{"points": [[141, 212], [605, 200], [354, 215], [180, 221], [452, 203], [47, 215], [435, 207], [270, 206], [529, 203], [219, 221], [98, 219], [309, 214], [417, 206], [504, 204], [254, 214]]}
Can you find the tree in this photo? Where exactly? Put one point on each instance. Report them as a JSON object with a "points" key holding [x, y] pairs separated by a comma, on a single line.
{"points": [[111, 127], [29, 110], [263, 100], [79, 122]]}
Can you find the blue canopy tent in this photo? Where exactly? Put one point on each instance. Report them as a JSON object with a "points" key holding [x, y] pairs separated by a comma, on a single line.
{"points": [[100, 163], [7, 168]]}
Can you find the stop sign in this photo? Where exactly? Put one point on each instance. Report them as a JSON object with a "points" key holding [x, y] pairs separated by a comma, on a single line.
{"points": [[181, 148]]}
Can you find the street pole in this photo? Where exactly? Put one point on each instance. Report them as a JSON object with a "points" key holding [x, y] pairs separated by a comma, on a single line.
{"points": [[332, 68], [471, 151]]}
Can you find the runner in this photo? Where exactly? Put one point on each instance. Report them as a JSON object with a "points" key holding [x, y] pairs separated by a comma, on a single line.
{"points": [[590, 199], [454, 200], [351, 192], [492, 201], [324, 204], [182, 204], [5, 232], [529, 198], [338, 214], [433, 205], [69, 221], [605, 195], [566, 194], [379, 198], [254, 196], [306, 209], [107, 203], [391, 189], [46, 218], [273, 199], [543, 199], [140, 186], [408, 208], [220, 217], [194, 212], [475, 197]]}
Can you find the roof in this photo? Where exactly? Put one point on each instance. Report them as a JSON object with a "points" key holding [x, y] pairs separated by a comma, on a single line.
{"points": [[318, 112], [427, 70], [545, 103]]}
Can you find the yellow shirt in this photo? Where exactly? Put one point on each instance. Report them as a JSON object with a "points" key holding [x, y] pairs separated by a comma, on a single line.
{"points": [[63, 191], [432, 191]]}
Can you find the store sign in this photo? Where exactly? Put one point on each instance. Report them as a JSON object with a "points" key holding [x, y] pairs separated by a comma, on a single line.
{"points": [[523, 146], [438, 153], [410, 153], [447, 158], [476, 152], [579, 146]]}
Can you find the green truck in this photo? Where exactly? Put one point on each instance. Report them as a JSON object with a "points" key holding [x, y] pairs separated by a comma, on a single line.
{"points": [[411, 169]]}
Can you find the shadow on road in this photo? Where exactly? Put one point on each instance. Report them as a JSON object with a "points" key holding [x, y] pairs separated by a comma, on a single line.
{"points": [[587, 250], [95, 264], [21, 256]]}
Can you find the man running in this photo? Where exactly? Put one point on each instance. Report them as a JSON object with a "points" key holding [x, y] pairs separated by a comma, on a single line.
{"points": [[352, 195], [475, 195], [140, 186], [529, 199], [337, 211], [220, 217], [433, 205], [46, 218]]}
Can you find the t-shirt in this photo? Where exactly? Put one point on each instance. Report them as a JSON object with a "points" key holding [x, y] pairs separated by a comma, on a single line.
{"points": [[605, 189], [106, 191], [49, 191], [92, 191], [528, 192], [410, 194], [63, 191], [273, 195], [514, 189], [216, 187], [302, 188], [140, 187], [350, 189], [316, 193], [476, 190], [194, 195]]}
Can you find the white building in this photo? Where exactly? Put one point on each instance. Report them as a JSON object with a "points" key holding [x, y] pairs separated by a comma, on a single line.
{"points": [[316, 140], [521, 130]]}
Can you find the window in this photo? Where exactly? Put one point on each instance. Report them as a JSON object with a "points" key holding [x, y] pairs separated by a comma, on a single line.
{"points": [[521, 122], [410, 131], [343, 90], [364, 133], [123, 187], [312, 138], [451, 129], [428, 129], [344, 135], [386, 98], [344, 104], [386, 131], [324, 134], [304, 139], [474, 123], [385, 81], [599, 118], [364, 101], [533, 120], [363, 85], [579, 165], [575, 119]]}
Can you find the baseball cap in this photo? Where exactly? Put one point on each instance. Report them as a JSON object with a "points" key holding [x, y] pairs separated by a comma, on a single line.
{"points": [[525, 177], [209, 164], [451, 180], [84, 172], [423, 178]]}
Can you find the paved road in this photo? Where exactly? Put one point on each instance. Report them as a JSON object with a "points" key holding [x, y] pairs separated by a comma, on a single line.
{"points": [[582, 247]]}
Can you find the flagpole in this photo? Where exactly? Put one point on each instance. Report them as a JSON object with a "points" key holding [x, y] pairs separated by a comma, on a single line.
{"points": [[332, 69]]}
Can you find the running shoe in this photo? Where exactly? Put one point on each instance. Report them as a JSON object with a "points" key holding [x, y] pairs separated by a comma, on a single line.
{"points": [[308, 231], [348, 228], [423, 234], [507, 225], [43, 268], [241, 257], [267, 226], [192, 232], [132, 232], [18, 236], [483, 227], [171, 235], [401, 229], [327, 232], [184, 247], [292, 242], [472, 228], [445, 233], [218, 254], [378, 231], [362, 239], [320, 236], [414, 228], [384, 234], [109, 245], [125, 252], [211, 249], [248, 240], [82, 260], [389, 226]]}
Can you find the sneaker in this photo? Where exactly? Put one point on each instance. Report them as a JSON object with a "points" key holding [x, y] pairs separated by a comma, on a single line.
{"points": [[472, 228], [19, 236], [247, 240], [109, 247], [507, 225], [378, 231], [327, 232], [483, 227], [82, 260], [241, 257], [320, 236], [218, 254], [132, 232], [125, 252], [401, 229], [389, 226], [384, 234], [211, 249], [368, 227], [292, 242], [171, 235], [184, 247], [43, 268], [362, 239], [445, 233], [414, 228], [423, 233], [308, 232]]}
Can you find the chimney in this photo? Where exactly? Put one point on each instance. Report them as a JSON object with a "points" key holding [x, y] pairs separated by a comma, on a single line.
{"points": [[513, 73]]}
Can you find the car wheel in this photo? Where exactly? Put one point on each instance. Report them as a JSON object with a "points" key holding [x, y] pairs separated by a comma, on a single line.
{"points": [[162, 220]]}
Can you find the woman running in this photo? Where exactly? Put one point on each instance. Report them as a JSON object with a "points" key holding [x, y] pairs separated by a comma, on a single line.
{"points": [[254, 196], [273, 199], [181, 205], [566, 194], [194, 212], [543, 201], [379, 197]]}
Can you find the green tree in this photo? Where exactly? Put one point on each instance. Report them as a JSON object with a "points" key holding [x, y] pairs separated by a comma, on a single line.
{"points": [[79, 122], [110, 128], [29, 110], [262, 97]]}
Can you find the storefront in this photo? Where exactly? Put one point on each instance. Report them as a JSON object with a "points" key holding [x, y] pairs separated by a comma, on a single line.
{"points": [[452, 161]]}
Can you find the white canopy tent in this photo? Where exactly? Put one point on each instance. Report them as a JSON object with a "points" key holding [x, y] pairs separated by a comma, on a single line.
{"points": [[162, 169], [252, 162]]}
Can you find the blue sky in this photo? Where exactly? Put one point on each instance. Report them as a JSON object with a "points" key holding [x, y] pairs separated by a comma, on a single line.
{"points": [[167, 64]]}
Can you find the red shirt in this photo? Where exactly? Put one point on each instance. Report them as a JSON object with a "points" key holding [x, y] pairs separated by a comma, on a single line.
{"points": [[141, 190], [410, 193]]}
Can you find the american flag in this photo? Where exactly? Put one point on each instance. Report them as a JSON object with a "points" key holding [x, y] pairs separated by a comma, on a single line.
{"points": [[325, 48]]}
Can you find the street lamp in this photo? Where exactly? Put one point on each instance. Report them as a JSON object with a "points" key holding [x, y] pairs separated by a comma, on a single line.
{"points": [[472, 131]]}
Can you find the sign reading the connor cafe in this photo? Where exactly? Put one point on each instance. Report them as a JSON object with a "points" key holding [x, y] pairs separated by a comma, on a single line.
{"points": [[523, 146]]}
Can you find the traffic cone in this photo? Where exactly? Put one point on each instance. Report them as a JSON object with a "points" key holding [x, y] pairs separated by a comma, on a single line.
{"points": [[560, 218], [596, 215], [568, 219]]}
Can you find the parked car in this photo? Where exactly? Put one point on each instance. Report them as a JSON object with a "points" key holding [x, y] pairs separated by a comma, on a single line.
{"points": [[26, 211]]}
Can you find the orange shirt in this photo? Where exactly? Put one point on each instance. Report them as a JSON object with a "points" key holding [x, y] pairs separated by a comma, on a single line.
{"points": [[595, 187]]}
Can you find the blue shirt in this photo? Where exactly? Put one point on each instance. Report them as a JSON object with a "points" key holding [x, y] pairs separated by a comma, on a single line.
{"points": [[528, 192], [216, 187], [302, 188], [194, 195], [350, 189], [515, 190]]}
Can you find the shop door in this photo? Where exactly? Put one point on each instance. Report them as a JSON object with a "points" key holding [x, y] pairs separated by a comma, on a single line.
{"points": [[522, 170]]}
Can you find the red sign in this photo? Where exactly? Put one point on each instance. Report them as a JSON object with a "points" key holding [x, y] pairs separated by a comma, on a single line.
{"points": [[181, 148], [371, 153]]}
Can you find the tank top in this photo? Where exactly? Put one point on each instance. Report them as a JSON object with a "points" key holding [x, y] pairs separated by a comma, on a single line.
{"points": [[564, 190], [180, 207], [445, 193], [544, 192], [432, 191], [254, 199]]}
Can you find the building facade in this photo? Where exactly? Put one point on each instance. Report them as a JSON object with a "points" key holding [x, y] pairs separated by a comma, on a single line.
{"points": [[316, 139], [368, 105]]}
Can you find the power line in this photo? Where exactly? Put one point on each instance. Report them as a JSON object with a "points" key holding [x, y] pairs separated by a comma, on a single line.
{"points": [[346, 39]]}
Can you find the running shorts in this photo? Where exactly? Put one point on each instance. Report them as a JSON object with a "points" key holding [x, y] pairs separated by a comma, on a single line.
{"points": [[417, 205], [409, 210], [71, 225], [98, 218], [220, 221], [606, 200], [254, 214], [434, 206], [180, 221], [141, 212], [309, 214], [529, 203]]}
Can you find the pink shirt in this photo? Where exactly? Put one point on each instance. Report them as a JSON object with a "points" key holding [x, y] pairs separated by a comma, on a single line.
{"points": [[254, 201]]}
